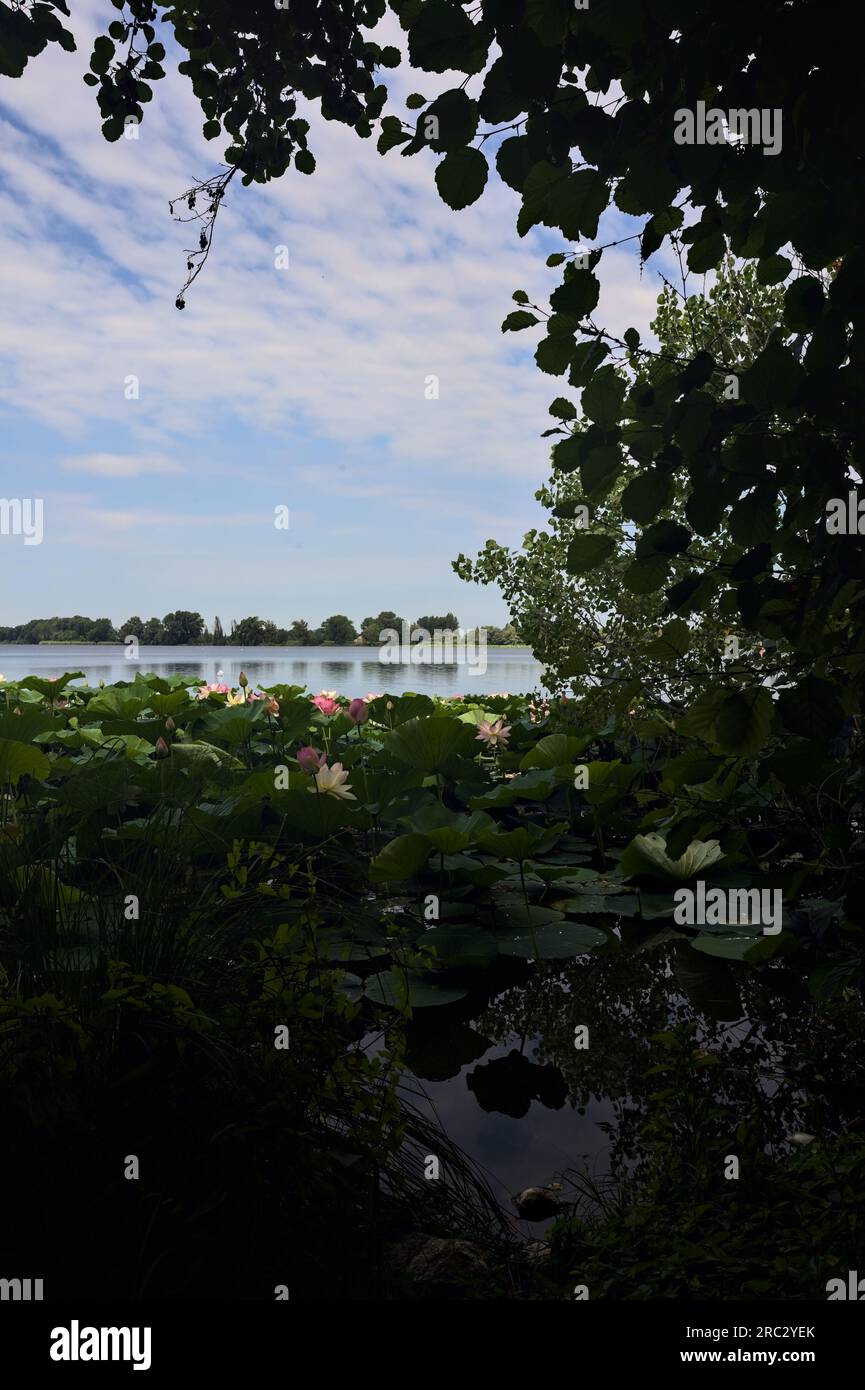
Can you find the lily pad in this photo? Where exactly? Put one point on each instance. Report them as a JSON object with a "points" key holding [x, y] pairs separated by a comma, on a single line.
{"points": [[553, 942], [615, 905], [391, 987], [459, 944]]}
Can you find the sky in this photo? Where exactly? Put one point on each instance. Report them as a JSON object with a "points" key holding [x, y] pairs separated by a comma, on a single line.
{"points": [[299, 387]]}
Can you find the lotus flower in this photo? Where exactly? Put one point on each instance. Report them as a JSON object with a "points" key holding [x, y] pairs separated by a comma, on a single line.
{"points": [[217, 688], [494, 733], [332, 781], [370, 695], [326, 702], [310, 759], [358, 712], [648, 853], [272, 707]]}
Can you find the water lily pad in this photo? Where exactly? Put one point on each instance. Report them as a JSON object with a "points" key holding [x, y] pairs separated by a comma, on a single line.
{"points": [[727, 947], [459, 944], [616, 905], [553, 942], [391, 987]]}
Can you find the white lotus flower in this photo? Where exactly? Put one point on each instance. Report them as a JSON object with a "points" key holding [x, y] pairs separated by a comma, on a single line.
{"points": [[700, 855], [332, 781]]}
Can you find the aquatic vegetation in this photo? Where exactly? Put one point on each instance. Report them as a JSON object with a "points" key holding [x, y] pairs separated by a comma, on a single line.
{"points": [[186, 870]]}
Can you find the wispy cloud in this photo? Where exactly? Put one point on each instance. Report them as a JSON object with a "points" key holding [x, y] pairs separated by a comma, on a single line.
{"points": [[303, 386]]}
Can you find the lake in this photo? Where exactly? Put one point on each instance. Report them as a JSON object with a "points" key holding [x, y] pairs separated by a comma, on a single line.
{"points": [[352, 671]]}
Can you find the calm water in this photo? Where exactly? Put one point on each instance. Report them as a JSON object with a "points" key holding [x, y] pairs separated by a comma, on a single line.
{"points": [[348, 670]]}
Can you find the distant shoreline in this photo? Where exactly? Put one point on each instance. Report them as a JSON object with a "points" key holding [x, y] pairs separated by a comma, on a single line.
{"points": [[230, 646]]}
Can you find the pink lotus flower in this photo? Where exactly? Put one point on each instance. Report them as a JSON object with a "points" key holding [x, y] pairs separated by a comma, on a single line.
{"points": [[326, 702], [370, 695], [217, 688], [333, 782], [310, 760], [358, 712], [493, 733], [272, 707]]}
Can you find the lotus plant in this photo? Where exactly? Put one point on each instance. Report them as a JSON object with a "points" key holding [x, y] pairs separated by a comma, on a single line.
{"points": [[326, 702], [494, 733], [332, 781], [310, 759]]}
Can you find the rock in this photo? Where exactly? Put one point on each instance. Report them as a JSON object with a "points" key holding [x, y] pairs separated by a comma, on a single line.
{"points": [[537, 1203], [438, 1263]]}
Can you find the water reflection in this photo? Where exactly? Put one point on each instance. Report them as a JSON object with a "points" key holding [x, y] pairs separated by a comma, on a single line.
{"points": [[349, 670]]}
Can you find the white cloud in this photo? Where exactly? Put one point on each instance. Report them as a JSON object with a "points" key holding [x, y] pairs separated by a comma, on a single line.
{"points": [[119, 465]]}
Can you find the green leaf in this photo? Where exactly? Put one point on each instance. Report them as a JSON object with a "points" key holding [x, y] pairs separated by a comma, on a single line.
{"points": [[461, 177], [401, 858], [18, 759], [804, 303], [604, 397], [553, 354], [578, 294], [429, 743], [457, 944], [587, 551], [673, 642], [771, 270], [395, 989], [457, 116], [553, 942], [744, 720], [517, 319], [773, 379], [443, 38], [646, 495], [646, 576]]}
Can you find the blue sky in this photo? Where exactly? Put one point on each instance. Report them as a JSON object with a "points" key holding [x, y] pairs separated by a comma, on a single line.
{"points": [[301, 388]]}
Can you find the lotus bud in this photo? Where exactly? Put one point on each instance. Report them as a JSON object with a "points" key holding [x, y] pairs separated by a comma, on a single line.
{"points": [[243, 680], [162, 749], [358, 712], [170, 725], [310, 760]]}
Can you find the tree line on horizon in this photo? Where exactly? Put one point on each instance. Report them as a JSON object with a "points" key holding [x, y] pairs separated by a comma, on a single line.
{"points": [[183, 628]]}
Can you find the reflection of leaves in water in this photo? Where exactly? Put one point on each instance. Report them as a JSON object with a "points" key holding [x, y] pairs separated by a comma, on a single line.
{"points": [[759, 1024], [434, 1053], [508, 1085]]}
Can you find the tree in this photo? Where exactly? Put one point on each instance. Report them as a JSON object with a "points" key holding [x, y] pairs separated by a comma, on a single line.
{"points": [[218, 634], [448, 623], [102, 630], [299, 634], [371, 628], [338, 630], [246, 75], [182, 627], [154, 633], [133, 627], [591, 631], [249, 632]]}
